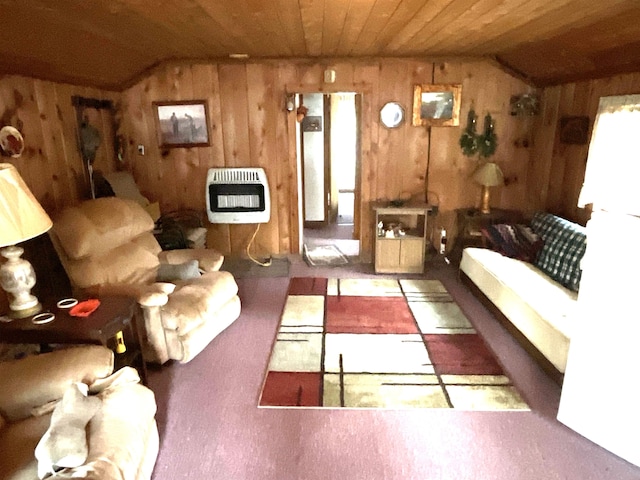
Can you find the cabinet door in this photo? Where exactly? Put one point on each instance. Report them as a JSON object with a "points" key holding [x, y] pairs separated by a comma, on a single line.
{"points": [[412, 255], [387, 254]]}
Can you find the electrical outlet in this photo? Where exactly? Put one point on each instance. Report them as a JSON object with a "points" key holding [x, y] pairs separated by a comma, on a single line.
{"points": [[140, 149]]}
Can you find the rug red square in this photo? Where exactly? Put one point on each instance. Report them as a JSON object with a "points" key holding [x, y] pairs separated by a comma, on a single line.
{"points": [[369, 315], [308, 286], [297, 389], [463, 354]]}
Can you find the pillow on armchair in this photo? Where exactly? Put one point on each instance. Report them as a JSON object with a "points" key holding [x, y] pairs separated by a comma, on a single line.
{"points": [[64, 444], [182, 271]]}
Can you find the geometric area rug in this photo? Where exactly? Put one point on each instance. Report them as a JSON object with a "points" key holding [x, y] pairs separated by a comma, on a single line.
{"points": [[381, 343]]}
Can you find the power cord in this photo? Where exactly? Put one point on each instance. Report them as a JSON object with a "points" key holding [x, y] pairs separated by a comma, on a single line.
{"points": [[267, 262]]}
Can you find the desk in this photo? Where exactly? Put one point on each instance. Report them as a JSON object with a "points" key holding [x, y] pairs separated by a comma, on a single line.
{"points": [[115, 314]]}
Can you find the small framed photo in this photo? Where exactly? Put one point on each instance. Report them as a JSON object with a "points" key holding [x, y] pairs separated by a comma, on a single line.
{"points": [[574, 130], [182, 124]]}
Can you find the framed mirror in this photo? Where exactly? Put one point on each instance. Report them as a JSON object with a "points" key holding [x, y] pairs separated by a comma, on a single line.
{"points": [[392, 114], [436, 105]]}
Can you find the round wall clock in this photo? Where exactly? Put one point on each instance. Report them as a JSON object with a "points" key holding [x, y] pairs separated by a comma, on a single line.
{"points": [[392, 114]]}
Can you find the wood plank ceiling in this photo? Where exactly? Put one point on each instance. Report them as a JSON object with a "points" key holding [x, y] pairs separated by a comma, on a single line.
{"points": [[110, 43]]}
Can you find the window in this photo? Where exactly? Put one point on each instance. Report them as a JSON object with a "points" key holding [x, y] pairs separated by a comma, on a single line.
{"points": [[612, 176]]}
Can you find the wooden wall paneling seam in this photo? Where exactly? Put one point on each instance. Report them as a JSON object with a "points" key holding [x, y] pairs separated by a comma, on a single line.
{"points": [[286, 186], [369, 76], [219, 234], [45, 95], [140, 128], [235, 118], [41, 181], [540, 169], [200, 158], [71, 163], [178, 86], [262, 143]]}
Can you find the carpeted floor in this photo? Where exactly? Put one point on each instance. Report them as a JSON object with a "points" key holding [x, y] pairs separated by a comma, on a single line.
{"points": [[381, 343], [210, 425]]}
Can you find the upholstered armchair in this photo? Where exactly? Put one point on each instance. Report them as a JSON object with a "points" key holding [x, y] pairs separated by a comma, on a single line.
{"points": [[107, 246]]}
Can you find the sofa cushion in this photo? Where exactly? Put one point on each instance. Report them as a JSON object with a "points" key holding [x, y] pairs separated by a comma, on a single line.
{"points": [[541, 308], [564, 246], [64, 444]]}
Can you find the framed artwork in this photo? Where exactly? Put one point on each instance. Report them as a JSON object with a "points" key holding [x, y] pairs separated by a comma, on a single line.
{"points": [[574, 130], [436, 105], [182, 124]]}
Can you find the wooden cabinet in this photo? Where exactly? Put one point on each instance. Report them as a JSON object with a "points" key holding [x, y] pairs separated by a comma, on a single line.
{"points": [[400, 238]]}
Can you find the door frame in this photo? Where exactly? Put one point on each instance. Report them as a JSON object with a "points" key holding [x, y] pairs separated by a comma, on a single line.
{"points": [[362, 216]]}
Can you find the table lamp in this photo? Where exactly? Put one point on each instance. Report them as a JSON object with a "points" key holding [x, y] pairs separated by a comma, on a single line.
{"points": [[21, 218], [488, 175]]}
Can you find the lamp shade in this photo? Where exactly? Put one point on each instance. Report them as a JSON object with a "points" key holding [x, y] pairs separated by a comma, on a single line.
{"points": [[21, 216], [489, 175]]}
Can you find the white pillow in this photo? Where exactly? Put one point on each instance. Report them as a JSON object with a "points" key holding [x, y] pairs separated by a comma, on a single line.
{"points": [[180, 271], [64, 444]]}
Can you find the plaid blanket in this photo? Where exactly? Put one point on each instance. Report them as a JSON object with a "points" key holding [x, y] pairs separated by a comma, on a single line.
{"points": [[564, 246]]}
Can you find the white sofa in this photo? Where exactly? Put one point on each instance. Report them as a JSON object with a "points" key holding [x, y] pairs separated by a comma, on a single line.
{"points": [[536, 308]]}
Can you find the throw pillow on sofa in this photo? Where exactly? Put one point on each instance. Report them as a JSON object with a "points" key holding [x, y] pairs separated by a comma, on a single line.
{"points": [[564, 245], [515, 241]]}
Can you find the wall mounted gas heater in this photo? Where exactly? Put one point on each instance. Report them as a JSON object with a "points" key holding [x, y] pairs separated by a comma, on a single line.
{"points": [[238, 195]]}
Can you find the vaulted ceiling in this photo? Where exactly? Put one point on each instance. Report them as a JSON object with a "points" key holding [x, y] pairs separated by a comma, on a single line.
{"points": [[110, 43]]}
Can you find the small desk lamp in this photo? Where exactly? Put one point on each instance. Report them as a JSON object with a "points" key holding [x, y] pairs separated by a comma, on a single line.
{"points": [[488, 175], [21, 218]]}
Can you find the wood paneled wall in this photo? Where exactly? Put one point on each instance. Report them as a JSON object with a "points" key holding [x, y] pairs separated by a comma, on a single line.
{"points": [[557, 169], [249, 126], [51, 163]]}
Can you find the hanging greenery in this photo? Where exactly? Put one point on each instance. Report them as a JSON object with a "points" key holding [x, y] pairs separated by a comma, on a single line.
{"points": [[468, 138], [483, 144], [488, 141]]}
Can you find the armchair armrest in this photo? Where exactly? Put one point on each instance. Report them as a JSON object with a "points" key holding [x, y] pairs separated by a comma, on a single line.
{"points": [[208, 260], [33, 381]]}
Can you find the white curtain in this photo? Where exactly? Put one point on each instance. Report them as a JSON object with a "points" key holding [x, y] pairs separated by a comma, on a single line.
{"points": [[612, 177]]}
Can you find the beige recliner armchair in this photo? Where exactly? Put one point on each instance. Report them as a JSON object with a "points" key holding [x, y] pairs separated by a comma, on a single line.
{"points": [[107, 246]]}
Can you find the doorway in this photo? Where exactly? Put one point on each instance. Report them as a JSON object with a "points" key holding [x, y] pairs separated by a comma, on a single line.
{"points": [[328, 143]]}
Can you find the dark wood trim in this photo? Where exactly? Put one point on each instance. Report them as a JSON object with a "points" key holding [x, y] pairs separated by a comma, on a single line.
{"points": [[542, 361]]}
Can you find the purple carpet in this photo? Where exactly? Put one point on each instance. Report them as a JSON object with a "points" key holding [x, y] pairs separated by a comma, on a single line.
{"points": [[210, 425]]}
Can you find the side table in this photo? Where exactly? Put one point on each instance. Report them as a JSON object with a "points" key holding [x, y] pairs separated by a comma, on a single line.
{"points": [[115, 314]]}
